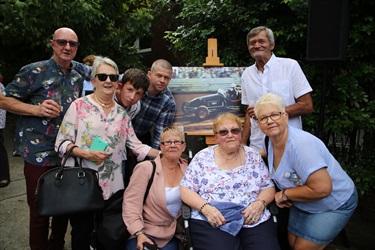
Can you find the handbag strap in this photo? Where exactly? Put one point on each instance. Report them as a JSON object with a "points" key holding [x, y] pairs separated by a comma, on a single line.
{"points": [[68, 155], [60, 173], [150, 181], [61, 143]]}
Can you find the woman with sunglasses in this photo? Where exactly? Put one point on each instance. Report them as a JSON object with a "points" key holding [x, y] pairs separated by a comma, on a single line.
{"points": [[228, 187], [155, 221], [320, 194], [98, 115]]}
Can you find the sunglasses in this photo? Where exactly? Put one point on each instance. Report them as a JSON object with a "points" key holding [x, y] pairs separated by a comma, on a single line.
{"points": [[234, 131], [103, 77], [63, 42]]}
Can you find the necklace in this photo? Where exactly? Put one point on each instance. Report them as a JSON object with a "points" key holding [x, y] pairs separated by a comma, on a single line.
{"points": [[102, 104]]}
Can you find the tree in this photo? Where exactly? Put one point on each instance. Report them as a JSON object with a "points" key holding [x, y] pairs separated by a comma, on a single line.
{"points": [[104, 27], [349, 111]]}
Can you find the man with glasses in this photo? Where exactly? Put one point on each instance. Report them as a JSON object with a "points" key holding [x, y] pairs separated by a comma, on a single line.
{"points": [[41, 93], [271, 74]]}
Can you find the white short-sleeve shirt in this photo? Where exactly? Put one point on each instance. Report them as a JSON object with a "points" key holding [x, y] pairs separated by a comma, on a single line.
{"points": [[281, 76]]}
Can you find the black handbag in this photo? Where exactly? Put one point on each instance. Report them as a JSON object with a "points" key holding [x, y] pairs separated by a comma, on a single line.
{"points": [[111, 231], [68, 190]]}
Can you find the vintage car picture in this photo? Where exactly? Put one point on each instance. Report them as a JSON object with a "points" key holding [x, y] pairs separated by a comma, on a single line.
{"points": [[203, 93]]}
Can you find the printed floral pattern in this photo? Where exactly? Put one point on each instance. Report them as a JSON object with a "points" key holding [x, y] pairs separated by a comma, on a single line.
{"points": [[34, 83], [85, 120], [240, 185]]}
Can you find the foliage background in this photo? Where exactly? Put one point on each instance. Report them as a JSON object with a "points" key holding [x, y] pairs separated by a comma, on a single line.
{"points": [[110, 27]]}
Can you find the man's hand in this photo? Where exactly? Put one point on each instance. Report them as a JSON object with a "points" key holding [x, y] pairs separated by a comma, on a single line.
{"points": [[49, 109]]}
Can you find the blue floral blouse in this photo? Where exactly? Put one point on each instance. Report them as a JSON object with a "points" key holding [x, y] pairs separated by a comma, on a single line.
{"points": [[240, 185]]}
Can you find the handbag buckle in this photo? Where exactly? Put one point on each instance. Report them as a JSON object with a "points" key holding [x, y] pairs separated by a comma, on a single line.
{"points": [[59, 176], [81, 174]]}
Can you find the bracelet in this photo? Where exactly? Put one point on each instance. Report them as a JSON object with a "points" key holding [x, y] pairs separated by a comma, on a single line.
{"points": [[263, 202], [138, 233], [200, 210]]}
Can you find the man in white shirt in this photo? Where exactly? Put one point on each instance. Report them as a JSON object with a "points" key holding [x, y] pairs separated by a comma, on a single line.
{"points": [[271, 74]]}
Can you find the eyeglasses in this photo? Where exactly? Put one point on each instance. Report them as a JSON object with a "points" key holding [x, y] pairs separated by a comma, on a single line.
{"points": [[103, 77], [274, 117], [63, 42], [168, 143], [224, 132]]}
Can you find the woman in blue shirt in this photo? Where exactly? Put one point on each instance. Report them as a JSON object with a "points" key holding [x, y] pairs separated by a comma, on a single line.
{"points": [[321, 197]]}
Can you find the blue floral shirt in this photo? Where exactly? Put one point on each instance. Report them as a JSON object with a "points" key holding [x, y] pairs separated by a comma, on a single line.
{"points": [[240, 185], [34, 83]]}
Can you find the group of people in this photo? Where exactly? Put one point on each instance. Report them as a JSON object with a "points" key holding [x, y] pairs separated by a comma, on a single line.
{"points": [[228, 185]]}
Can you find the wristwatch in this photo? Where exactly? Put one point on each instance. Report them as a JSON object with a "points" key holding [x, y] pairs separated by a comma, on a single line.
{"points": [[283, 195]]}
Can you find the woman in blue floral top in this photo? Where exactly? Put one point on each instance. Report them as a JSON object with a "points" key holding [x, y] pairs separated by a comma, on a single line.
{"points": [[228, 187]]}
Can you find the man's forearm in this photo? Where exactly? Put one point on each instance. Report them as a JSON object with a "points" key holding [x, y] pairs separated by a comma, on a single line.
{"points": [[246, 130], [15, 106], [304, 105]]}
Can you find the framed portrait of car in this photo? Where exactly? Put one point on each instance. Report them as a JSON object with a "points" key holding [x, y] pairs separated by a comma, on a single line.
{"points": [[202, 93]]}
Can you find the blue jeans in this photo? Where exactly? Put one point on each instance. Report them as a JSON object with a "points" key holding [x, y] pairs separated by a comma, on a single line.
{"points": [[173, 244]]}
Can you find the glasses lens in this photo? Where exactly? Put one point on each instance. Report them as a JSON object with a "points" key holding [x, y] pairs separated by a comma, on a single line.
{"points": [[168, 143], [113, 78], [235, 131], [276, 116], [103, 77], [73, 44], [63, 42], [263, 119], [223, 132]]}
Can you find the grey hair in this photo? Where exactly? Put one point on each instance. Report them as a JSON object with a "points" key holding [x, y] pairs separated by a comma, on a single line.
{"points": [[270, 98], [99, 61], [255, 31]]}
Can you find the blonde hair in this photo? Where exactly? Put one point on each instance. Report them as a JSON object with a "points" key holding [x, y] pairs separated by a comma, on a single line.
{"points": [[270, 98], [172, 131], [225, 117]]}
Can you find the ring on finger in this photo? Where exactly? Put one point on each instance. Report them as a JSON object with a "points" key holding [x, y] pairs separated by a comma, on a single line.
{"points": [[252, 219], [215, 224]]}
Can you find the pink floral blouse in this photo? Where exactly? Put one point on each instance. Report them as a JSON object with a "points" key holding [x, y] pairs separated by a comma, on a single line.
{"points": [[85, 120]]}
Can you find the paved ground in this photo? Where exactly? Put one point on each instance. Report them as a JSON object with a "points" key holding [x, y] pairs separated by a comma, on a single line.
{"points": [[360, 231]]}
